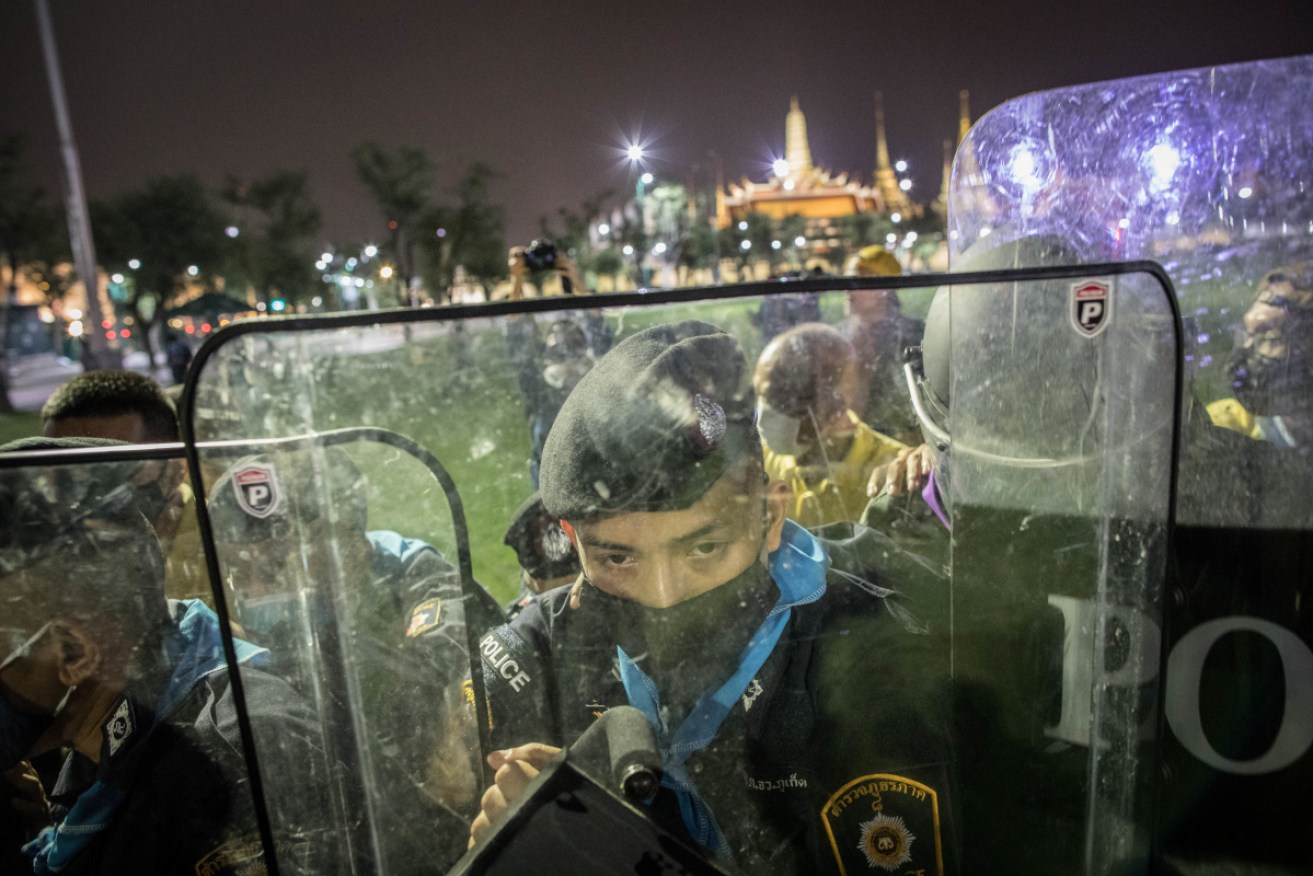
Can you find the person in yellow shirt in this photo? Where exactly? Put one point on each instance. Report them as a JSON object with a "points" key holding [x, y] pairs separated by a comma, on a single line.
{"points": [[805, 380]]}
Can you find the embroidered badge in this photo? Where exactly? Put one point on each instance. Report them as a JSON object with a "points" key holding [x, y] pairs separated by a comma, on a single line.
{"points": [[885, 822], [256, 486], [555, 543], [750, 695], [119, 726], [424, 617], [710, 429]]}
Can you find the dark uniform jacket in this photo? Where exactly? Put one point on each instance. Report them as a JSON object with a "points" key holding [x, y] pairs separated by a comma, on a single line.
{"points": [[837, 741], [185, 802]]}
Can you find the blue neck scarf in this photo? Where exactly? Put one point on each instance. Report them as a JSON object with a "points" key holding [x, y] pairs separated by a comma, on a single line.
{"points": [[194, 650], [798, 571]]}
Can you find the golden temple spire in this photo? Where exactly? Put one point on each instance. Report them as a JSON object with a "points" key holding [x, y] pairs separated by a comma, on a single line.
{"points": [[796, 149], [886, 181], [963, 115], [941, 203]]}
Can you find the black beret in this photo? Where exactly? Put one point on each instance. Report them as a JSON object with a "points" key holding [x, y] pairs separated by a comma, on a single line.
{"points": [[652, 426], [543, 548], [70, 510], [272, 495]]}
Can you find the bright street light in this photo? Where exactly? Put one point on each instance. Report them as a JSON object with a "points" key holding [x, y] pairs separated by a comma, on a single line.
{"points": [[134, 264], [647, 179], [799, 241], [385, 272], [371, 251], [659, 249], [905, 185], [192, 270], [232, 231], [635, 152], [900, 166], [628, 250], [117, 278], [896, 218], [775, 244], [780, 166], [603, 228], [326, 257], [745, 245], [743, 226]]}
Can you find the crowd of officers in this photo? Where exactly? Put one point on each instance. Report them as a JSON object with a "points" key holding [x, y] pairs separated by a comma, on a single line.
{"points": [[722, 544]]}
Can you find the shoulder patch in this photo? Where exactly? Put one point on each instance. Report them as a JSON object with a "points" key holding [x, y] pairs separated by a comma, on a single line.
{"points": [[424, 617], [240, 855], [884, 822]]}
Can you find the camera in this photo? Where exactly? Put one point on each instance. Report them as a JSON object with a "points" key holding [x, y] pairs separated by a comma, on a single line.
{"points": [[540, 255]]}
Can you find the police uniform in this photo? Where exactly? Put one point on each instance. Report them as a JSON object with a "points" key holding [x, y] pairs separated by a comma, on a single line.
{"points": [[800, 732], [171, 793]]}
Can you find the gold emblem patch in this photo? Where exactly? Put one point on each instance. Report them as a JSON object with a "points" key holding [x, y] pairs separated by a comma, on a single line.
{"points": [[424, 617], [885, 822]]}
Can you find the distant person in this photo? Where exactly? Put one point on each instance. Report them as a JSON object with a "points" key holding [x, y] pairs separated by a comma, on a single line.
{"points": [[546, 555], [178, 354], [127, 406], [136, 690], [1271, 366], [549, 364], [805, 380], [879, 334]]}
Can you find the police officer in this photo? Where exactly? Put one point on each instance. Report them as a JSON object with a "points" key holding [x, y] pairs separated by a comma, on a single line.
{"points": [[136, 689], [784, 680], [546, 556]]}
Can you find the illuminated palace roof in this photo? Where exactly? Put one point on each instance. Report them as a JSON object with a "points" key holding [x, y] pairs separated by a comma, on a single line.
{"points": [[799, 187]]}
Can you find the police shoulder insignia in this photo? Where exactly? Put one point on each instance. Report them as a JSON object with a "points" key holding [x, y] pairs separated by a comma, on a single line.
{"points": [[240, 855], [885, 822], [424, 617], [706, 434], [119, 727]]}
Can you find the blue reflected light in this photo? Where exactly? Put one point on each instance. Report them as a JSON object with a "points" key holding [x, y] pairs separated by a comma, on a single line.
{"points": [[1162, 162]]}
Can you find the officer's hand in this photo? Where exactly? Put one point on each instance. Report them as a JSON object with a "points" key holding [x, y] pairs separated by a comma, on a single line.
{"points": [[515, 768], [908, 472], [26, 796], [519, 271], [566, 267]]}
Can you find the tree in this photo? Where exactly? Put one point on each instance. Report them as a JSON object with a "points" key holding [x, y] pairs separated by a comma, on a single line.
{"points": [[401, 181], [609, 263], [273, 250], [470, 233], [27, 225], [760, 232], [168, 225]]}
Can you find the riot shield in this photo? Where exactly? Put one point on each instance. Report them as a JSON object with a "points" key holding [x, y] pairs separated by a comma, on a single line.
{"points": [[835, 746], [1204, 171]]}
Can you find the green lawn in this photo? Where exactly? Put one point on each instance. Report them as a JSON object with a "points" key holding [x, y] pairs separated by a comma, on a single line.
{"points": [[20, 425]]}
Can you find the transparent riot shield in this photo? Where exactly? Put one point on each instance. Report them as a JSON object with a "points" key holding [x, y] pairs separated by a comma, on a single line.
{"points": [[123, 744], [807, 664], [1204, 171]]}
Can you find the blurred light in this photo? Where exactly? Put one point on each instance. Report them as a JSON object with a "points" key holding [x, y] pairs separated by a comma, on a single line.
{"points": [[190, 329], [278, 305], [106, 323], [112, 335], [320, 265], [788, 185], [910, 236], [603, 228], [360, 282], [223, 321], [659, 249], [1245, 192], [74, 313], [351, 264], [628, 250], [635, 152], [891, 238], [117, 278], [1163, 160], [905, 185], [328, 278], [206, 328], [125, 334], [134, 264], [1173, 218], [392, 225], [316, 301], [1123, 223], [232, 231], [441, 232], [775, 244], [799, 241], [46, 315], [900, 166], [385, 272], [745, 245], [326, 257], [780, 166], [984, 232], [896, 218], [75, 328], [371, 251], [743, 226], [192, 270], [647, 179], [259, 305]]}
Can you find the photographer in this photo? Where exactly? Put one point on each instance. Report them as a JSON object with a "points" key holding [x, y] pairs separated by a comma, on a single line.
{"points": [[547, 368]]}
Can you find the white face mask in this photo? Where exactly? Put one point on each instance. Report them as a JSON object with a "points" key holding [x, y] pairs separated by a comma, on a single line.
{"points": [[779, 431]]}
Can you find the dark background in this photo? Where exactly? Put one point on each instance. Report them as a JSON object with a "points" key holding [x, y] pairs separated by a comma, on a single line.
{"points": [[549, 93]]}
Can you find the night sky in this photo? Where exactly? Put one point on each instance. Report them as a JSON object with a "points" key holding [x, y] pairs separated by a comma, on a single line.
{"points": [[549, 93]]}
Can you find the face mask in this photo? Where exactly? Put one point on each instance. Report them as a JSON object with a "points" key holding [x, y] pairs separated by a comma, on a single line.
{"points": [[19, 731], [778, 431]]}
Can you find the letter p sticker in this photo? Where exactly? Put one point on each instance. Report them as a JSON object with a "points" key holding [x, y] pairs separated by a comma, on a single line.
{"points": [[1091, 303]]}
